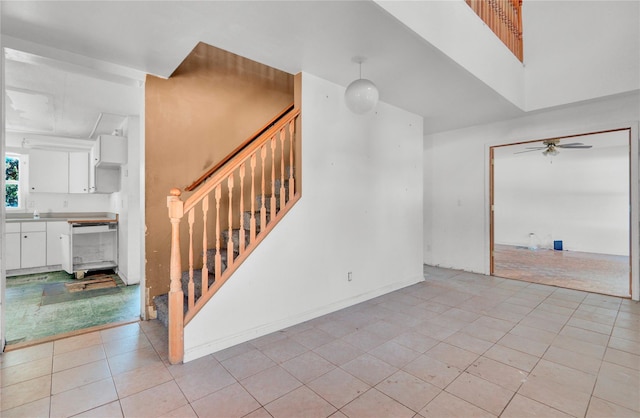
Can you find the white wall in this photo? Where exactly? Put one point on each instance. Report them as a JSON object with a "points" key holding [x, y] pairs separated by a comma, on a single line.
{"points": [[456, 173], [126, 203], [360, 211], [64, 202], [3, 272], [579, 196], [578, 50]]}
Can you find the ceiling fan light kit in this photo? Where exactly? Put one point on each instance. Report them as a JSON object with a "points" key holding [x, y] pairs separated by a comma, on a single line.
{"points": [[551, 150]]}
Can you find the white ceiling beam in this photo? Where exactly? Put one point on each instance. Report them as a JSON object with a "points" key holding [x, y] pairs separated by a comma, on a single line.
{"points": [[33, 53]]}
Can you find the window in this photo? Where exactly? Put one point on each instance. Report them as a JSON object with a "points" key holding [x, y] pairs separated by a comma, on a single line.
{"points": [[12, 182]]}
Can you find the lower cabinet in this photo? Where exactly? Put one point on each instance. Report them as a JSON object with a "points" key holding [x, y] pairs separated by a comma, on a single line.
{"points": [[33, 245], [12, 242], [55, 230]]}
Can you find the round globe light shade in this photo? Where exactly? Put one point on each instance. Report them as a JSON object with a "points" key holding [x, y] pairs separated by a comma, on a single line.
{"points": [[361, 96]]}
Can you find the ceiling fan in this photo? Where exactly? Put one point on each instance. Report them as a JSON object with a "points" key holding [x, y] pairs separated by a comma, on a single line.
{"points": [[551, 147]]}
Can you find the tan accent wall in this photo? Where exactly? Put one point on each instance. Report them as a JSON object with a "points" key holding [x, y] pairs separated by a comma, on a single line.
{"points": [[213, 101]]}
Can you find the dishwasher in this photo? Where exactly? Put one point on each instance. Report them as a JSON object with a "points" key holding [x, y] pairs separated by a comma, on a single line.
{"points": [[90, 246]]}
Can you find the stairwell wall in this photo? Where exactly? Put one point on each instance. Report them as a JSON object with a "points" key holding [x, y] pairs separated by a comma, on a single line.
{"points": [[360, 212], [212, 103]]}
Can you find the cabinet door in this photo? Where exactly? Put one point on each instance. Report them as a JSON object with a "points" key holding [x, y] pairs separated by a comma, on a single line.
{"points": [[67, 264], [55, 230], [110, 150], [34, 249], [48, 171], [78, 172], [13, 251], [92, 169]]}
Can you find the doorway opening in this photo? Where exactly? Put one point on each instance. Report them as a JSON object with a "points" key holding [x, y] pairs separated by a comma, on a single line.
{"points": [[56, 112], [560, 212]]}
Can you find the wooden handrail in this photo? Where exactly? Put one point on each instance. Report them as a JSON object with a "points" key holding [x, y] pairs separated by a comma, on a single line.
{"points": [[262, 171], [242, 154], [238, 149]]}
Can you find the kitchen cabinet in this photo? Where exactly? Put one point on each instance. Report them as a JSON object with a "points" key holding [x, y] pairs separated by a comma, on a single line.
{"points": [[78, 172], [46, 245], [12, 242], [90, 246], [55, 230], [33, 244], [107, 155], [109, 150], [48, 171], [104, 180]]}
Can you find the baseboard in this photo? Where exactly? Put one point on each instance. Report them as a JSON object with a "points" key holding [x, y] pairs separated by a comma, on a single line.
{"points": [[247, 335], [34, 270]]}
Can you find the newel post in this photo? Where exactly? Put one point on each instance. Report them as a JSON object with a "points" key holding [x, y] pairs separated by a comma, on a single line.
{"points": [[176, 296]]}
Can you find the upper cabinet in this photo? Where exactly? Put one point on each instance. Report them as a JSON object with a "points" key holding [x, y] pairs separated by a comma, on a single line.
{"points": [[97, 171], [109, 151], [48, 171], [58, 171], [107, 155], [78, 172]]}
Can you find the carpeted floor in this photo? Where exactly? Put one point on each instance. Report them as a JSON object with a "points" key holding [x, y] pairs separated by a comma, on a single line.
{"points": [[44, 304]]}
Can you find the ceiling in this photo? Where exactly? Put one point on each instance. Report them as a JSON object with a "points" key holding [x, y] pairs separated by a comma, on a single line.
{"points": [[45, 100], [318, 37]]}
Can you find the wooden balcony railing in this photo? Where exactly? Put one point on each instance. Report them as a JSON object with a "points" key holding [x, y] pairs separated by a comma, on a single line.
{"points": [[504, 17], [249, 195]]}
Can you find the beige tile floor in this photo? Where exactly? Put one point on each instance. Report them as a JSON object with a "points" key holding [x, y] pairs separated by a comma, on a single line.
{"points": [[458, 344]]}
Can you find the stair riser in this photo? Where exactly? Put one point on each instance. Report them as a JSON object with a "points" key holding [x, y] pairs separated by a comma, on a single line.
{"points": [[211, 259], [267, 202], [162, 308], [236, 239], [197, 282], [247, 220]]}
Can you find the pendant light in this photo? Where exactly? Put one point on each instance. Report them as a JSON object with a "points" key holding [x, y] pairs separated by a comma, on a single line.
{"points": [[361, 95]]}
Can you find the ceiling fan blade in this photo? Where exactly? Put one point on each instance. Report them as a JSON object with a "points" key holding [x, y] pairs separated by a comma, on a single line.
{"points": [[569, 146], [529, 150]]}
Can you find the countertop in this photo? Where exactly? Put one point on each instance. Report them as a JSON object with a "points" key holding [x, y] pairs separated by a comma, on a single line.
{"points": [[71, 217], [92, 220]]}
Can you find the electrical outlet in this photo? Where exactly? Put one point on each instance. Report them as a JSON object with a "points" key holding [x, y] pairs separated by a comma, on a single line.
{"points": [[65, 203], [349, 276]]}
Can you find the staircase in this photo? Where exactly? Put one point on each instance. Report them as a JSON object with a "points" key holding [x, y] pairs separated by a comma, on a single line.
{"points": [[236, 204], [162, 301]]}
